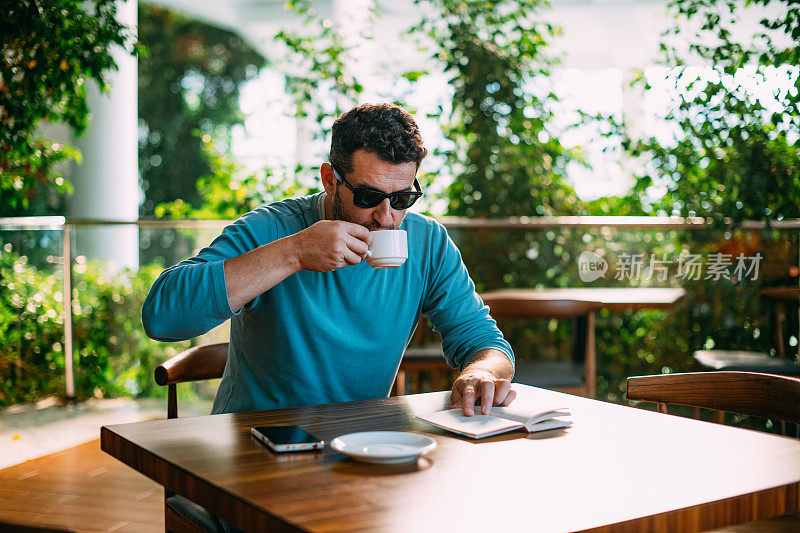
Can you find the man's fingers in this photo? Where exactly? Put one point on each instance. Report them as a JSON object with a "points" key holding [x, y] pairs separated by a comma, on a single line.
{"points": [[455, 397], [351, 258], [502, 388], [468, 400], [487, 397], [358, 247], [491, 391], [509, 398], [358, 231]]}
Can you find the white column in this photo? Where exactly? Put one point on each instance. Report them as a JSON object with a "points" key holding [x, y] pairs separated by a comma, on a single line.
{"points": [[107, 181]]}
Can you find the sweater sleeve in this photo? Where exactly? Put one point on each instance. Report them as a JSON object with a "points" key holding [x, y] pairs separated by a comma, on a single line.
{"points": [[455, 309], [191, 298]]}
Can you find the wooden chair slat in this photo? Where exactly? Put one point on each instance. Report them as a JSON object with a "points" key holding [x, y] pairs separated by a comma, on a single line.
{"points": [[508, 307], [201, 362], [749, 393]]}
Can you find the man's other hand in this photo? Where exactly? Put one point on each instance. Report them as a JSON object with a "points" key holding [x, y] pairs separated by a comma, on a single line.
{"points": [[330, 245], [477, 383]]}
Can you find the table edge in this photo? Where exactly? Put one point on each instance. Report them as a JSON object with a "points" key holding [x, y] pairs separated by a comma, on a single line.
{"points": [[611, 305], [236, 511], [774, 501]]}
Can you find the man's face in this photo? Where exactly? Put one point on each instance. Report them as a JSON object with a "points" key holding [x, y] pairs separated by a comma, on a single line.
{"points": [[371, 172]]}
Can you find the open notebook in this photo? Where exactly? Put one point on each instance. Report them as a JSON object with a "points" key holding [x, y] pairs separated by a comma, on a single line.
{"points": [[501, 420]]}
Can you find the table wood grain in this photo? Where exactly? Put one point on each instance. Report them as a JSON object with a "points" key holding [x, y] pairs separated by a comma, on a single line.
{"points": [[619, 299], [617, 469], [791, 294]]}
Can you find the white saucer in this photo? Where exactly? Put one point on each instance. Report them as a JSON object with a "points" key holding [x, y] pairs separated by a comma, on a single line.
{"points": [[384, 447]]}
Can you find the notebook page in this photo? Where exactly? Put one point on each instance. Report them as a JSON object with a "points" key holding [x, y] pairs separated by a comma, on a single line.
{"points": [[473, 426]]}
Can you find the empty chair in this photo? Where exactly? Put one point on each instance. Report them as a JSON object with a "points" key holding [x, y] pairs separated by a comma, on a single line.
{"points": [[734, 360]]}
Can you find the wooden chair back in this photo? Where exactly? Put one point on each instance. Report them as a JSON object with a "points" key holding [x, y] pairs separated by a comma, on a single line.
{"points": [[206, 361], [750, 393], [504, 305]]}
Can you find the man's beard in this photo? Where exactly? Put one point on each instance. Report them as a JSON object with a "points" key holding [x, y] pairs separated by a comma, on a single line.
{"points": [[336, 209], [338, 213]]}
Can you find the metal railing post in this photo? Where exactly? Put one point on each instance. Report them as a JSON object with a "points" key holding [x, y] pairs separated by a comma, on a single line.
{"points": [[69, 373]]}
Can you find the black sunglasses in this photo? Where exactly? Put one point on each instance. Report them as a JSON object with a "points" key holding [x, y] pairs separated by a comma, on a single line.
{"points": [[368, 198]]}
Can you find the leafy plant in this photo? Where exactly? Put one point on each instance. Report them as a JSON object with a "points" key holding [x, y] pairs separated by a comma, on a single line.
{"points": [[112, 353], [31, 329], [314, 60], [734, 155], [49, 51], [505, 158]]}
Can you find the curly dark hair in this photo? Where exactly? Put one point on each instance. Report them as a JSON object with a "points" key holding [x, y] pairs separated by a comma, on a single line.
{"points": [[387, 130]]}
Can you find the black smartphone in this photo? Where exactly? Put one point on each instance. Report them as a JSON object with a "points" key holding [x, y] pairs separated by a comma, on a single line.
{"points": [[287, 438]]}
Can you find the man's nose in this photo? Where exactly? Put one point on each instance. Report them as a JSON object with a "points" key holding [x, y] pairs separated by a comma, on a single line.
{"points": [[383, 214]]}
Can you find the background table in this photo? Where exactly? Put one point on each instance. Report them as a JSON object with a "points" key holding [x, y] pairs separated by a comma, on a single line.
{"points": [[560, 376], [617, 299], [618, 465]]}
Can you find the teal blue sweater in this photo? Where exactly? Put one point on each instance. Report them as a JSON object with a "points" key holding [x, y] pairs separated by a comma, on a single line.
{"points": [[321, 337]]}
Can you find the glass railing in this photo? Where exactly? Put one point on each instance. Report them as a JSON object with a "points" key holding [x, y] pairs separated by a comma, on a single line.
{"points": [[110, 267]]}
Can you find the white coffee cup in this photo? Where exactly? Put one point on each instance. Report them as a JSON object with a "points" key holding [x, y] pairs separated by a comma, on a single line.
{"points": [[387, 248]]}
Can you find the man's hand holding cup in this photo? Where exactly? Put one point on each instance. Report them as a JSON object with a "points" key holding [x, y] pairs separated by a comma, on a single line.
{"points": [[331, 244]]}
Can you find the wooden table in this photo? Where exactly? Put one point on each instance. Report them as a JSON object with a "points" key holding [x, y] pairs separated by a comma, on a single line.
{"points": [[617, 299], [617, 469]]}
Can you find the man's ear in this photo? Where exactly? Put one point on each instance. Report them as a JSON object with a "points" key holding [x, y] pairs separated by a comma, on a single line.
{"points": [[328, 179]]}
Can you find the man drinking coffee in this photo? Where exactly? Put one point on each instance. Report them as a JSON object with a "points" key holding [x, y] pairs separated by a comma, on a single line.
{"points": [[311, 321]]}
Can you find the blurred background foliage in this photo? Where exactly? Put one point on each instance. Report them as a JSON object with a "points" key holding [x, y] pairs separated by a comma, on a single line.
{"points": [[189, 86], [734, 154], [505, 158], [114, 356], [732, 158], [229, 189], [49, 51], [311, 59]]}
